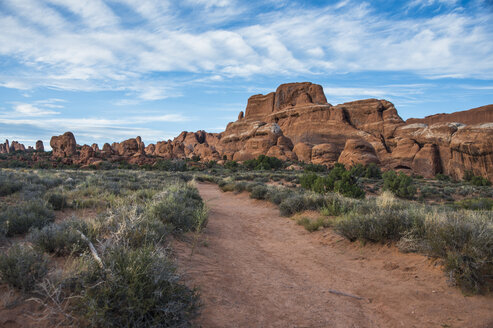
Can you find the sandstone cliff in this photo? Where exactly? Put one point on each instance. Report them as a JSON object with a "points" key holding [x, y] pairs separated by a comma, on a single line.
{"points": [[297, 123]]}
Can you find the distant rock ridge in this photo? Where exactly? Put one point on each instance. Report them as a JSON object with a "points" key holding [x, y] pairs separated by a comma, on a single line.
{"points": [[297, 123]]}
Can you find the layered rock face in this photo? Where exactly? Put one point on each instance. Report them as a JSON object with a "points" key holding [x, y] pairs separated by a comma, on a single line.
{"points": [[364, 131], [297, 123]]}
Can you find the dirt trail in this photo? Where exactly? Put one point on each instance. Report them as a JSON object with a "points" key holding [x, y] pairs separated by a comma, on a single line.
{"points": [[255, 268]]}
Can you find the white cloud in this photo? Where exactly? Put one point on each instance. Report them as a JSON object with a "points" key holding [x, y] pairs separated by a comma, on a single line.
{"points": [[30, 110], [97, 51]]}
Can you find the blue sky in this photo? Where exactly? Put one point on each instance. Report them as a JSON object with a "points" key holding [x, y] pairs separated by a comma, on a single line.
{"points": [[109, 70]]}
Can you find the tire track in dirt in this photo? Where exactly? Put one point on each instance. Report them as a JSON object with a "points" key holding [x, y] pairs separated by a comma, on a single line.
{"points": [[255, 268]]}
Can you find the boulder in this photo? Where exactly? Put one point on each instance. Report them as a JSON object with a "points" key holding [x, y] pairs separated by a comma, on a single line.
{"points": [[86, 152], [64, 145], [325, 154], [358, 151], [303, 152]]}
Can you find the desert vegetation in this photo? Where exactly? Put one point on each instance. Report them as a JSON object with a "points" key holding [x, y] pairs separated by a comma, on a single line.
{"points": [[112, 268], [92, 246]]}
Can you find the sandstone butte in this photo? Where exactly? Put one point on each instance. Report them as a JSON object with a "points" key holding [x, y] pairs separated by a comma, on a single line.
{"points": [[297, 123]]}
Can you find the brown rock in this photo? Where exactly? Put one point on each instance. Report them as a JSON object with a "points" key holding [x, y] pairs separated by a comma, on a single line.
{"points": [[39, 146], [403, 154], [86, 153], [325, 154], [259, 106], [293, 94], [16, 146], [358, 151], [95, 147], [427, 161], [473, 116], [240, 116], [150, 149], [303, 152], [64, 145]]}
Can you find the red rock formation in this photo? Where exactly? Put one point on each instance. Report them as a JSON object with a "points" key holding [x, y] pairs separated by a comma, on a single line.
{"points": [[39, 146], [297, 123], [358, 151], [477, 115], [64, 145]]}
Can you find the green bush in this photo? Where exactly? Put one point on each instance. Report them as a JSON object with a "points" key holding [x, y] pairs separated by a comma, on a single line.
{"points": [[61, 238], [136, 288], [372, 171], [312, 225], [476, 204], [442, 177], [464, 240], [18, 219], [263, 162], [315, 168], [57, 201], [381, 224], [277, 195], [231, 165], [401, 185], [480, 181], [22, 267], [179, 205], [296, 203], [307, 180], [8, 184], [259, 192], [357, 170], [348, 186]]}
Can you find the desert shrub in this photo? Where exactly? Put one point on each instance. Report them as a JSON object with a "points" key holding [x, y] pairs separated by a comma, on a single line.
{"points": [[357, 170], [348, 186], [263, 162], [322, 185], [130, 225], [307, 180], [312, 225], [22, 267], [315, 168], [179, 205], [57, 201], [401, 185], [9, 184], [336, 205], [476, 204], [240, 186], [338, 180], [442, 177], [464, 240], [480, 181], [372, 171], [259, 192], [296, 203], [227, 186], [293, 204], [277, 195], [231, 165], [18, 219], [61, 238], [170, 165], [385, 222], [136, 288]]}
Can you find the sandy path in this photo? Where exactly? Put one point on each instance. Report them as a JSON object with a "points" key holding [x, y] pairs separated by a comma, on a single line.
{"points": [[258, 269]]}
